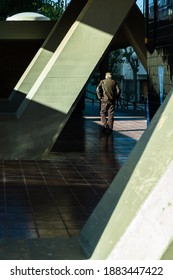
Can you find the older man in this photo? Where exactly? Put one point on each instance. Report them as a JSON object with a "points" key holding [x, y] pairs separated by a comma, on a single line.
{"points": [[108, 92]]}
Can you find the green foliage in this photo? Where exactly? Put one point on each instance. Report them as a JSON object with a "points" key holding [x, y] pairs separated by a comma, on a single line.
{"points": [[128, 55], [49, 8], [114, 58]]}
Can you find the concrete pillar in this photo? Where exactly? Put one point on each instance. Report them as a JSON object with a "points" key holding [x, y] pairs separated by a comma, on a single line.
{"points": [[133, 219]]}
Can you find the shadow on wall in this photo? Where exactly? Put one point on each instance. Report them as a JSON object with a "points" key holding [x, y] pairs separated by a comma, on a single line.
{"points": [[32, 134]]}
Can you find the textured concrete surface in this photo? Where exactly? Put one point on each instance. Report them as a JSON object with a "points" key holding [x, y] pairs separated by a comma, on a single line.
{"points": [[145, 176]]}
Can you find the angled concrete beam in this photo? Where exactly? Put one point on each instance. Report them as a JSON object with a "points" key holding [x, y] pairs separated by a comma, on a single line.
{"points": [[133, 219], [134, 31], [32, 30]]}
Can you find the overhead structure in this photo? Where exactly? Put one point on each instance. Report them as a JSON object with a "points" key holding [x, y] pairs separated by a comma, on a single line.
{"points": [[48, 91]]}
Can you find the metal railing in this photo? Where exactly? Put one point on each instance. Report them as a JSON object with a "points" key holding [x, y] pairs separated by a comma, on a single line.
{"points": [[91, 96], [126, 104], [121, 103]]}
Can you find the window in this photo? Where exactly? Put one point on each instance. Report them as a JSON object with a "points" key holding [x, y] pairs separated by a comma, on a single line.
{"points": [[159, 23], [165, 10]]}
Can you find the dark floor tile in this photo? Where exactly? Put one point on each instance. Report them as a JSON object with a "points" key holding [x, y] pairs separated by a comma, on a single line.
{"points": [[41, 209], [20, 218], [46, 216], [22, 233], [77, 216], [2, 233], [80, 190], [71, 210], [66, 202], [18, 210], [58, 183], [12, 183], [35, 182], [45, 224], [20, 225], [49, 233], [2, 216], [73, 231], [60, 197], [2, 225], [54, 198], [55, 190], [17, 202], [72, 224], [16, 195], [39, 196]]}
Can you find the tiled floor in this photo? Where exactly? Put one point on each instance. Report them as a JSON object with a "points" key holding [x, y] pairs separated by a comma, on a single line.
{"points": [[54, 198]]}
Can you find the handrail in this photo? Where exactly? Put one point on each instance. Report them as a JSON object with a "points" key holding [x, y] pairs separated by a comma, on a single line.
{"points": [[123, 103], [93, 99], [93, 93]]}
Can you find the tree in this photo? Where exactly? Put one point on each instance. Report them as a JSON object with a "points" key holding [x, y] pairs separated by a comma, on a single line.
{"points": [[49, 8], [115, 60], [132, 59]]}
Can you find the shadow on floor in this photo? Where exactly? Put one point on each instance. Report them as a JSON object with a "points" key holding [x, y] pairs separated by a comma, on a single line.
{"points": [[54, 198]]}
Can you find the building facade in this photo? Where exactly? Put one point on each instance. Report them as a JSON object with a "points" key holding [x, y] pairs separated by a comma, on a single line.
{"points": [[159, 43]]}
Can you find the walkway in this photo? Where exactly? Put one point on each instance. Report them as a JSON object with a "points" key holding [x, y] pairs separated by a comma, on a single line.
{"points": [[53, 198]]}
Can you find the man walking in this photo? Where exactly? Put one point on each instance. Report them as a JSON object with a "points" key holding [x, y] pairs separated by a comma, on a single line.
{"points": [[108, 92]]}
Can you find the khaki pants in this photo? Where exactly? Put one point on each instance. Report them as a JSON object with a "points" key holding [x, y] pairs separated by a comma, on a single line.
{"points": [[107, 110]]}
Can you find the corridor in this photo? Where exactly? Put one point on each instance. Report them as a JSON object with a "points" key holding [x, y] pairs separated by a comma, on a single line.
{"points": [[53, 198]]}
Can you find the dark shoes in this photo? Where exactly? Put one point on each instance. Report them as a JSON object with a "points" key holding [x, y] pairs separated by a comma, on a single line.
{"points": [[107, 130]]}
